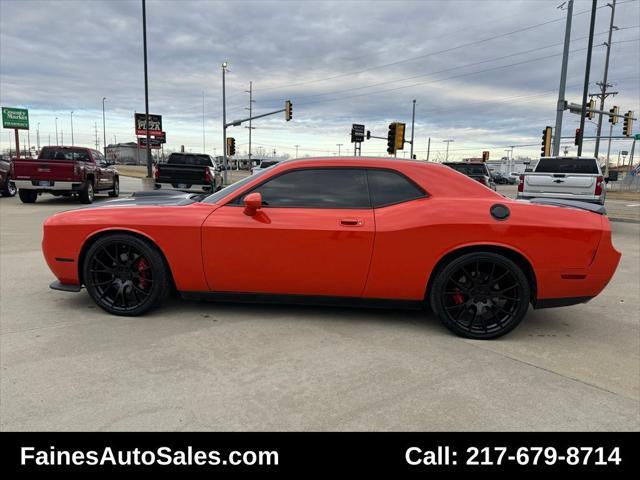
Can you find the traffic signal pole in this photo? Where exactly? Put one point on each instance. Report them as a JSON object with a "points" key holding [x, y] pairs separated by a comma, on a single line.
{"points": [[563, 81], [225, 161]]}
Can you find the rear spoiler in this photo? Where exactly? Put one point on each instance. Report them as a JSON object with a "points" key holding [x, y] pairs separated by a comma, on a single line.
{"points": [[559, 202]]}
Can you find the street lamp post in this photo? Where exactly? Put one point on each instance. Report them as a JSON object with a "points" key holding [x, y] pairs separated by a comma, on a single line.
{"points": [[57, 131], [338, 145], [38, 136], [104, 130], [72, 143], [225, 160]]}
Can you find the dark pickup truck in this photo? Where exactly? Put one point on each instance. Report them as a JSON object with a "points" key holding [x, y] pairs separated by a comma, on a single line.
{"points": [[65, 171], [478, 171], [188, 171]]}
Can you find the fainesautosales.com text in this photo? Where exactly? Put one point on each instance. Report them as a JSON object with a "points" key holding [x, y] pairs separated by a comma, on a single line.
{"points": [[159, 456]]}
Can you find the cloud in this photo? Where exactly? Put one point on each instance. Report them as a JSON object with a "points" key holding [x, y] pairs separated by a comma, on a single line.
{"points": [[484, 73]]}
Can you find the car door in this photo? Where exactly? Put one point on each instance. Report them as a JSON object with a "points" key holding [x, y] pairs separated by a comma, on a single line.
{"points": [[104, 171], [313, 236]]}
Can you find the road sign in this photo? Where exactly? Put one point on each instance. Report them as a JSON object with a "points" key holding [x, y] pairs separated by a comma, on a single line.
{"points": [[162, 138], [155, 124], [154, 143], [15, 118], [357, 133]]}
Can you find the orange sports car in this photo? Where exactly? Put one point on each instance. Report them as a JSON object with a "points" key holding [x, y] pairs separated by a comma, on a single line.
{"points": [[354, 230]]}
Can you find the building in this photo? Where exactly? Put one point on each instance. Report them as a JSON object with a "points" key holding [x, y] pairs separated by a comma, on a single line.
{"points": [[126, 154], [505, 165]]}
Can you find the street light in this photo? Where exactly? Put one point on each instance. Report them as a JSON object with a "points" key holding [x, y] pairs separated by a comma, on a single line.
{"points": [[104, 130], [339, 145], [38, 136], [225, 160], [56, 131], [72, 128], [447, 154]]}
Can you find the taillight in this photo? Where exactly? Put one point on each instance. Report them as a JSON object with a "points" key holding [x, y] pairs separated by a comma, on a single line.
{"points": [[521, 184], [599, 182], [12, 170], [207, 175], [76, 169], [156, 173]]}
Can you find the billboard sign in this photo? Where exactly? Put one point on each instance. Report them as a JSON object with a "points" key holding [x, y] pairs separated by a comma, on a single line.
{"points": [[357, 133], [15, 118], [155, 124], [154, 143]]}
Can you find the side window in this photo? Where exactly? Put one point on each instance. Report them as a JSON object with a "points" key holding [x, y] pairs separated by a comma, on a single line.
{"points": [[389, 188], [98, 156], [317, 188]]}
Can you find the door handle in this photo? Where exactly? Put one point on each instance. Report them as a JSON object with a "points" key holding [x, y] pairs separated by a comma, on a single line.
{"points": [[351, 222]]}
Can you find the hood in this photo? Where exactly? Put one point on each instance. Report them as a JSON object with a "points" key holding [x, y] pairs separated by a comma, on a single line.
{"points": [[153, 198]]}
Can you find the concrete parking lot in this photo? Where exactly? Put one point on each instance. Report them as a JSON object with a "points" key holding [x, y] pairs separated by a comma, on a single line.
{"points": [[203, 366]]}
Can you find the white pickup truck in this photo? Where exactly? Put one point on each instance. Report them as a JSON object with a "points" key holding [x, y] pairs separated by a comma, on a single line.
{"points": [[568, 178]]}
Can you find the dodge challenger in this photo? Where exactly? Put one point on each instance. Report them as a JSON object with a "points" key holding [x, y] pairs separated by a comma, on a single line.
{"points": [[340, 231]]}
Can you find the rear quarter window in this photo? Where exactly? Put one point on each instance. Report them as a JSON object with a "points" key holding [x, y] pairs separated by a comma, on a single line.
{"points": [[389, 188]]}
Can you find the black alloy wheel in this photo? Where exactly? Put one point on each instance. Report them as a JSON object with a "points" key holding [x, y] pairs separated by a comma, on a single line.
{"points": [[125, 275], [481, 295]]}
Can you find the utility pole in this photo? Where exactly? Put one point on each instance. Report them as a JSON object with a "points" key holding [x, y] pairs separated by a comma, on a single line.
{"points": [[225, 160], [604, 84], [204, 147], [72, 144], [38, 136], [585, 90], [57, 131], [95, 126], [413, 122], [446, 158], [250, 108], [563, 81], [297, 146], [428, 148], [104, 130], [339, 145], [146, 86]]}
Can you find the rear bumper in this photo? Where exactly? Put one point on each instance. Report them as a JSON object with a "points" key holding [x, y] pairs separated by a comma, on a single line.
{"points": [[190, 188], [562, 196], [55, 185]]}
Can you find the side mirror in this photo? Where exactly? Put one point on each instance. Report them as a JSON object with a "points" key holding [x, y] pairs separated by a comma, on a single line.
{"points": [[252, 203]]}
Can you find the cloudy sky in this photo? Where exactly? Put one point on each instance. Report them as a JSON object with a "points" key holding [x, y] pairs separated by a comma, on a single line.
{"points": [[483, 73]]}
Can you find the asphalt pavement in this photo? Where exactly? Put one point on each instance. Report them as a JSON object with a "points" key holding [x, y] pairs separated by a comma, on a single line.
{"points": [[203, 366]]}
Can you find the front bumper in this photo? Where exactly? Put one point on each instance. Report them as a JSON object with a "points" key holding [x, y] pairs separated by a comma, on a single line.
{"points": [[64, 287]]}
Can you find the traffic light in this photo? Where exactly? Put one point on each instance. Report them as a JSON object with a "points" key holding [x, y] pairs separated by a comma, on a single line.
{"points": [[368, 134], [628, 124], [576, 141], [590, 108], [485, 155], [613, 114], [545, 151], [288, 110], [400, 128], [391, 139], [231, 146]]}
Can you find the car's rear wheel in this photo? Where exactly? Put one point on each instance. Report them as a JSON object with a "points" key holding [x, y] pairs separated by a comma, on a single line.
{"points": [[480, 295], [116, 188], [28, 196], [87, 193], [125, 275]]}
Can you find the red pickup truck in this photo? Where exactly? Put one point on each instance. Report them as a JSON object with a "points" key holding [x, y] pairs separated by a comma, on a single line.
{"points": [[65, 171]]}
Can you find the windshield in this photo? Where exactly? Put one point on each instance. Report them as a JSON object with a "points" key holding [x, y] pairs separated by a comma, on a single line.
{"points": [[215, 197], [189, 159], [568, 165], [64, 153]]}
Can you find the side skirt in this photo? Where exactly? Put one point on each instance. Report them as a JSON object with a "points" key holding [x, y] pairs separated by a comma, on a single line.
{"points": [[268, 298]]}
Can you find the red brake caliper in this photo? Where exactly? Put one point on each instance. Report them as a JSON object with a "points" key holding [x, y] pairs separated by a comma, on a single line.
{"points": [[142, 271], [458, 297]]}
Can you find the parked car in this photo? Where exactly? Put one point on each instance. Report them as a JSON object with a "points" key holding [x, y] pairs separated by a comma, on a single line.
{"points": [[304, 230], [264, 164], [477, 171], [571, 178], [7, 186], [500, 179], [188, 172], [65, 171]]}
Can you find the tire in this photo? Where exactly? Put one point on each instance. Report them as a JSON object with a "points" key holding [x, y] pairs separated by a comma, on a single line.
{"points": [[9, 189], [470, 304], [125, 275], [28, 196], [116, 188], [87, 193]]}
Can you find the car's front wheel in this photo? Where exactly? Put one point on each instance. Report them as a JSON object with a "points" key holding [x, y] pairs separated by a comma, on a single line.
{"points": [[480, 295], [125, 275]]}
